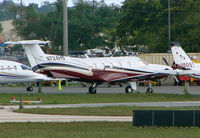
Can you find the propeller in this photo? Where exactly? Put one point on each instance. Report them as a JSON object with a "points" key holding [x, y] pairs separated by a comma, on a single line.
{"points": [[174, 76], [165, 61]]}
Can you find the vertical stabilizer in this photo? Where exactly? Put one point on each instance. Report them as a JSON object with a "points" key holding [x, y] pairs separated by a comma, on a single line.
{"points": [[33, 51], [182, 60]]}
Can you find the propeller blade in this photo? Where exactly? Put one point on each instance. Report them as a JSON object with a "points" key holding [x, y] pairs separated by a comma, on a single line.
{"points": [[175, 78], [165, 61]]}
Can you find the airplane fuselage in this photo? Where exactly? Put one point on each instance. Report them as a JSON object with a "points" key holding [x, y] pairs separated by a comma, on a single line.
{"points": [[104, 69], [14, 72]]}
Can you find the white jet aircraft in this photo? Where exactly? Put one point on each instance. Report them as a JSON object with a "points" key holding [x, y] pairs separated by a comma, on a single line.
{"points": [[184, 63], [94, 70], [14, 72]]}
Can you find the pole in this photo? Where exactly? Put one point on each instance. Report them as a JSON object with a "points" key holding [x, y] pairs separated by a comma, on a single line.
{"points": [[93, 6], [169, 25], [21, 10], [39, 87], [65, 30], [21, 103]]}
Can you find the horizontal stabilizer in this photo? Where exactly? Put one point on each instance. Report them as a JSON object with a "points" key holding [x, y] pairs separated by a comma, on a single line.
{"points": [[28, 42], [33, 50]]}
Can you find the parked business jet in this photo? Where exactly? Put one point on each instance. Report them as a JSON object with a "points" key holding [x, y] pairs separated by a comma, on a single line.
{"points": [[14, 72], [94, 70], [184, 63]]}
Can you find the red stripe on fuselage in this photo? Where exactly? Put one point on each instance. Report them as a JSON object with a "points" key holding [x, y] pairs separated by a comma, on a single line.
{"points": [[99, 75]]}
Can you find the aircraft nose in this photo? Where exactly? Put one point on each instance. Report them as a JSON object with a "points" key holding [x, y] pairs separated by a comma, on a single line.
{"points": [[43, 77]]}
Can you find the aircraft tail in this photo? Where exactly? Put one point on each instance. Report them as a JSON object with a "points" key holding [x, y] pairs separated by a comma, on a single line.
{"points": [[33, 51], [181, 59]]}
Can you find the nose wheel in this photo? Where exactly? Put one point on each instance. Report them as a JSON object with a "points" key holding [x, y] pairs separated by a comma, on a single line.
{"points": [[149, 89]]}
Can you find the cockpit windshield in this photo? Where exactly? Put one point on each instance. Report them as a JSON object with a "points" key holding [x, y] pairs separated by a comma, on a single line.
{"points": [[142, 62], [25, 67]]}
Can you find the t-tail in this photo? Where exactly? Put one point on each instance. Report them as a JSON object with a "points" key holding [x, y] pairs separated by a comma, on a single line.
{"points": [[33, 51], [181, 59]]}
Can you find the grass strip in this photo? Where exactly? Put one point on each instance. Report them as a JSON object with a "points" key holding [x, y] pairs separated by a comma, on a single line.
{"points": [[98, 111], [98, 98], [93, 129]]}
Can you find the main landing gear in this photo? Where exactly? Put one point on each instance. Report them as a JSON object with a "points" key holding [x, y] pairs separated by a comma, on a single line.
{"points": [[29, 89], [131, 88], [93, 88], [128, 89]]}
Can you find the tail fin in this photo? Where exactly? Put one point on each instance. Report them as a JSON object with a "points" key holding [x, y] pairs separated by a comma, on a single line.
{"points": [[182, 60], [33, 51]]}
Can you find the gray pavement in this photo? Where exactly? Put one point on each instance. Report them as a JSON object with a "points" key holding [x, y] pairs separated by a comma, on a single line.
{"points": [[9, 116], [194, 90]]}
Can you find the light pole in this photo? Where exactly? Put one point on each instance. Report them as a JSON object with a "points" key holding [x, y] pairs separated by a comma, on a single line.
{"points": [[169, 25], [65, 29]]}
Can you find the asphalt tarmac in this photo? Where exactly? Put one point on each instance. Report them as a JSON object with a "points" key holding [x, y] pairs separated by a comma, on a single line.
{"points": [[9, 116], [194, 90]]}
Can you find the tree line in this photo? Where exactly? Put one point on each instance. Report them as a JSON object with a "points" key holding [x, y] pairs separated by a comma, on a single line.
{"points": [[139, 23]]}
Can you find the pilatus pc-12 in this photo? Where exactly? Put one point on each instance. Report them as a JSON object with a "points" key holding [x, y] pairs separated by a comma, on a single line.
{"points": [[93, 70]]}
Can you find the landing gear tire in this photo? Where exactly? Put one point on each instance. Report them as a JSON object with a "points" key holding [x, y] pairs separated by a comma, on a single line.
{"points": [[92, 90], [128, 89], [149, 90], [29, 88]]}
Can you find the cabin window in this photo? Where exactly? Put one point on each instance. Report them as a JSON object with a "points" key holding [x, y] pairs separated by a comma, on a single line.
{"points": [[103, 65], [94, 66], [2, 68], [8, 67], [25, 67], [129, 64], [111, 65], [15, 67], [142, 62], [120, 64]]}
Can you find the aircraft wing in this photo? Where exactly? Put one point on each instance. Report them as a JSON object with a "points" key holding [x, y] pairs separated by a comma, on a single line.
{"points": [[188, 72], [124, 76], [61, 75], [141, 77]]}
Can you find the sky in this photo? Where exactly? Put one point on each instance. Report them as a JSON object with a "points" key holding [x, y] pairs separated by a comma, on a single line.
{"points": [[70, 3]]}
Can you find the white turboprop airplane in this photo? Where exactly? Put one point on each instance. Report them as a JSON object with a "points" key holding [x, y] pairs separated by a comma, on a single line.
{"points": [[14, 72], [94, 70], [184, 63]]}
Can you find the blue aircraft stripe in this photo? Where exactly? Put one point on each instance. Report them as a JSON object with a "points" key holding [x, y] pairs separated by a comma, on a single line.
{"points": [[12, 76]]}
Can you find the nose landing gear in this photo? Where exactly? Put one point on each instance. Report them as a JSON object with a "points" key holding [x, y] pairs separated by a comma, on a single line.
{"points": [[149, 89]]}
